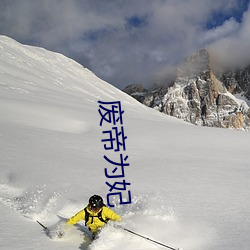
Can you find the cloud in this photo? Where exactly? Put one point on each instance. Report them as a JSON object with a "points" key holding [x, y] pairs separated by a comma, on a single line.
{"points": [[125, 42], [228, 28], [233, 49]]}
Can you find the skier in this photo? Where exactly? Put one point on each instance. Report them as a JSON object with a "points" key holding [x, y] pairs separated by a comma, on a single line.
{"points": [[95, 214]]}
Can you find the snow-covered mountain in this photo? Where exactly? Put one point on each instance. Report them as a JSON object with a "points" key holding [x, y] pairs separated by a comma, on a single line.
{"points": [[201, 95], [189, 184]]}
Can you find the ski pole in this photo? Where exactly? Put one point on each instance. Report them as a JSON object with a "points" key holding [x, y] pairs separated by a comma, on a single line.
{"points": [[159, 243], [45, 228]]}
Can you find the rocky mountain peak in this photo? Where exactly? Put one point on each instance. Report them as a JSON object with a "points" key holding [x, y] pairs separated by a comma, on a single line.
{"points": [[200, 96], [196, 64]]}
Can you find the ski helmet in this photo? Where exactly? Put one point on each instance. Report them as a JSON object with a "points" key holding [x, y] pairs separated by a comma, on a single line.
{"points": [[96, 202]]}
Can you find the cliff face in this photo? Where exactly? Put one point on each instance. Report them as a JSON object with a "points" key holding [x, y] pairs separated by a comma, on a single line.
{"points": [[237, 81], [201, 97]]}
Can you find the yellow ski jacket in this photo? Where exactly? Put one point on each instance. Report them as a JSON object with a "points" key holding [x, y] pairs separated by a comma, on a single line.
{"points": [[94, 223]]}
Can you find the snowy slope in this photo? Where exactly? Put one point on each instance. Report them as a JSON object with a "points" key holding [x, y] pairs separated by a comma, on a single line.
{"points": [[190, 185]]}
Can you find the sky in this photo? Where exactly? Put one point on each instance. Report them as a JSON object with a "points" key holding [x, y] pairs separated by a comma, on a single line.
{"points": [[132, 41]]}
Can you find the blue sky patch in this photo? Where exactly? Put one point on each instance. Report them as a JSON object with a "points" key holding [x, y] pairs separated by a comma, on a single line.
{"points": [[219, 17], [136, 21]]}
